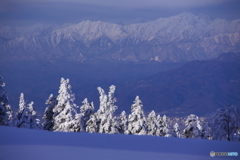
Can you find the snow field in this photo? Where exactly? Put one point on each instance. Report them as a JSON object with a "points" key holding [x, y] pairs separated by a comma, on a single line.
{"points": [[30, 144]]}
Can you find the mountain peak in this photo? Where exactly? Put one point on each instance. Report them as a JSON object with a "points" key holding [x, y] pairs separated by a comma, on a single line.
{"points": [[186, 14], [184, 37]]}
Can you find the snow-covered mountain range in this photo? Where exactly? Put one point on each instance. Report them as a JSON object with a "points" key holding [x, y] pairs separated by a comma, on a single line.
{"points": [[183, 37]]}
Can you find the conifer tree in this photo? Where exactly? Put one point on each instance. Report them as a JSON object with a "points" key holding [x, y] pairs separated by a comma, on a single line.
{"points": [[137, 120], [86, 110], [64, 121], [26, 115], [33, 122], [3, 95], [162, 129], [48, 115], [65, 110], [123, 122], [92, 125], [111, 100], [6, 113], [76, 124], [193, 127], [105, 115], [80, 121], [176, 130], [101, 114], [21, 114], [7, 116], [152, 124]]}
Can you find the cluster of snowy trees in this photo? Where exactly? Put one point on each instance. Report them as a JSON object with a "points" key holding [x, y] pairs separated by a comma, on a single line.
{"points": [[63, 115]]}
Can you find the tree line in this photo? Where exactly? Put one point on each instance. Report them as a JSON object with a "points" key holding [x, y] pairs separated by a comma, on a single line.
{"points": [[63, 115]]}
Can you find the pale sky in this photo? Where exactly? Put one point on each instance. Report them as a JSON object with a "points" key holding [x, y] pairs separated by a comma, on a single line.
{"points": [[25, 12]]}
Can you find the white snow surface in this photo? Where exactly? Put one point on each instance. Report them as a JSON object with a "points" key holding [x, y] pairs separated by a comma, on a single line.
{"points": [[27, 144]]}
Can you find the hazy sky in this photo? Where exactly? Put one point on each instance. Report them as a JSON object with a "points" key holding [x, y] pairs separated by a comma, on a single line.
{"points": [[25, 12]]}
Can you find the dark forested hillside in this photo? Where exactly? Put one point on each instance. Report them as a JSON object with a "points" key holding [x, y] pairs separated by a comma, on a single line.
{"points": [[198, 87], [37, 80]]}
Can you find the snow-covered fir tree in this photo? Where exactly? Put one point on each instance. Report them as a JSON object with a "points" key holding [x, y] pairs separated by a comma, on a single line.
{"points": [[110, 125], [76, 124], [92, 125], [86, 110], [26, 115], [33, 122], [6, 116], [65, 110], [112, 121], [152, 124], [3, 95], [105, 115], [21, 114], [193, 127], [123, 122], [101, 114], [137, 120], [176, 130], [65, 120], [48, 114], [162, 126], [111, 100], [225, 124], [6, 113], [80, 121]]}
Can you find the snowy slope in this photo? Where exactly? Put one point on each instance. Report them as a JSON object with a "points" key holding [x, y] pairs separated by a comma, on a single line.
{"points": [[38, 145]]}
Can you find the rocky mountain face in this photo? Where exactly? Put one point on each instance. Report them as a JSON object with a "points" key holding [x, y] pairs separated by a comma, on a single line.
{"points": [[183, 37]]}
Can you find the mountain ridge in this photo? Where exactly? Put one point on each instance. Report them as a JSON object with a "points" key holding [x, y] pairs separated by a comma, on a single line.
{"points": [[183, 37]]}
